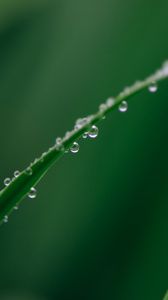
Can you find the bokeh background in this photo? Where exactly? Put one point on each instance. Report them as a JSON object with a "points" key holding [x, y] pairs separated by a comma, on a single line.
{"points": [[98, 228]]}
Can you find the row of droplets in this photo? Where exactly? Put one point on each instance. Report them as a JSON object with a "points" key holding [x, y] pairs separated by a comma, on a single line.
{"points": [[32, 193], [123, 107], [7, 181], [91, 133]]}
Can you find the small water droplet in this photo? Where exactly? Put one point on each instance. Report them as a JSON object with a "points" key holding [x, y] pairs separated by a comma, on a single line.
{"points": [[16, 173], [75, 147], [85, 135], [110, 102], [16, 207], [33, 193], [123, 106], [5, 219], [58, 141], [67, 134], [29, 171], [80, 122], [59, 145], [7, 181], [153, 87], [93, 133], [126, 90], [102, 107]]}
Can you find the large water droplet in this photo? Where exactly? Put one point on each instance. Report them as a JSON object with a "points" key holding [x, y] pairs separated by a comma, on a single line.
{"points": [[153, 87], [16, 173], [7, 181], [123, 106], [33, 193], [75, 147], [93, 133]]}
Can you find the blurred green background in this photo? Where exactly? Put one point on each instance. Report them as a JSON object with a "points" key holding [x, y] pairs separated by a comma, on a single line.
{"points": [[98, 227]]}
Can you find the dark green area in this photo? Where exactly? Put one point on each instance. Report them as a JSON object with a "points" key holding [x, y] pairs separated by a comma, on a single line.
{"points": [[98, 228]]}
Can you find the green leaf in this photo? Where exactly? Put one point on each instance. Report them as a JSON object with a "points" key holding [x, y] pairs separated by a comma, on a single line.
{"points": [[19, 187]]}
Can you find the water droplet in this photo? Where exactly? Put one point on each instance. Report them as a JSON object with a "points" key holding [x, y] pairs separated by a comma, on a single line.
{"points": [[67, 134], [80, 122], [93, 133], [29, 171], [5, 219], [153, 87], [123, 106], [126, 90], [58, 141], [110, 102], [16, 207], [59, 146], [85, 135], [16, 173], [102, 107], [7, 181], [75, 147], [33, 193]]}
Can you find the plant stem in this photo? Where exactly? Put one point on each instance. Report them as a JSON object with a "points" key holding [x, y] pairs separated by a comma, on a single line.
{"points": [[19, 187]]}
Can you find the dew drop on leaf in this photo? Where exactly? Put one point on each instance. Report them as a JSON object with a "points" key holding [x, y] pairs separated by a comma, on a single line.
{"points": [[75, 147], [123, 106], [110, 102], [58, 141], [29, 171], [93, 133], [16, 173], [153, 87], [102, 107], [33, 193], [7, 181], [85, 135]]}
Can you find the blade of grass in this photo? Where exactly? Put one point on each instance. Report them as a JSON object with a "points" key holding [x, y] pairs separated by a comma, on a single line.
{"points": [[19, 187]]}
